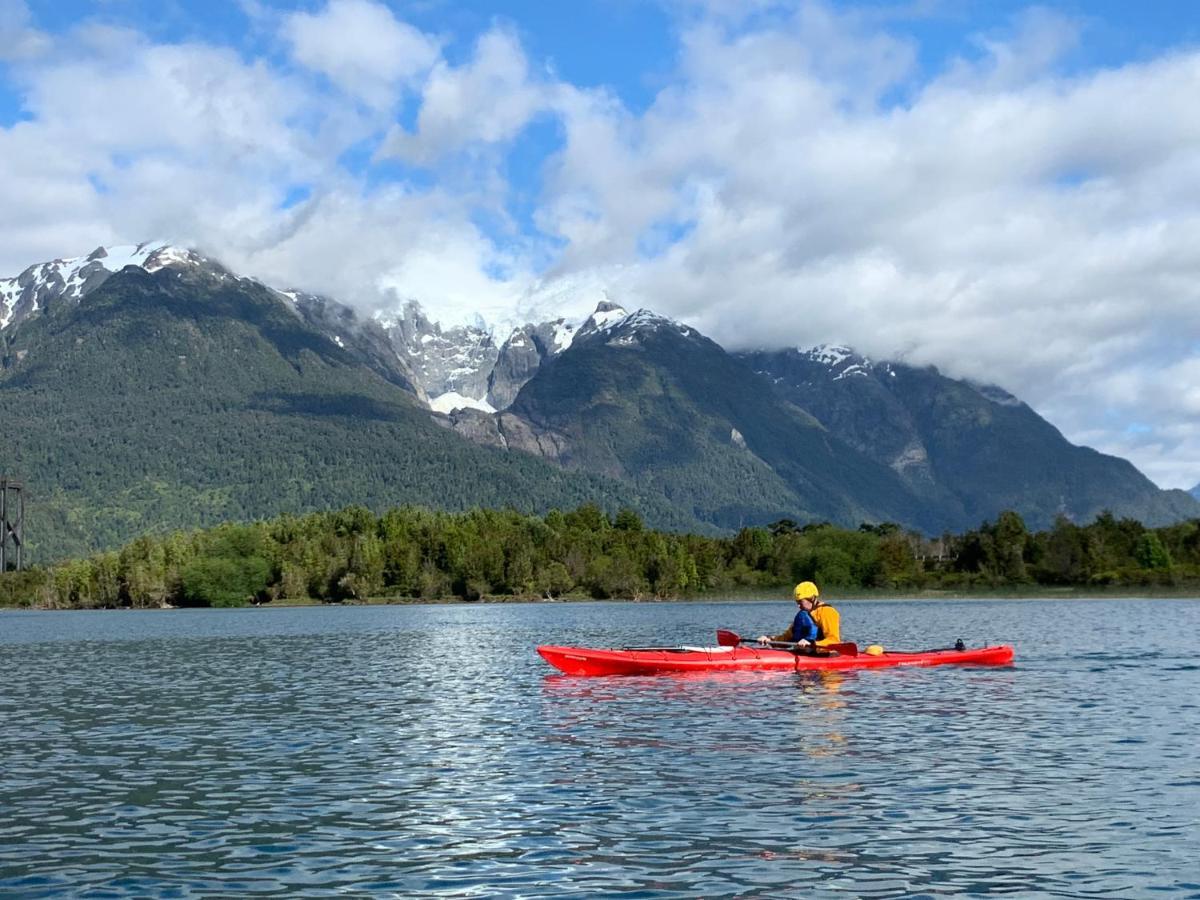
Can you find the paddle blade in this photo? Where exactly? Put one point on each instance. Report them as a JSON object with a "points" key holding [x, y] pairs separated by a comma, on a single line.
{"points": [[727, 638], [847, 649]]}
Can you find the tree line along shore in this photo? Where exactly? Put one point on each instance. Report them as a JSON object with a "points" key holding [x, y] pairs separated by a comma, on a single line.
{"points": [[412, 553]]}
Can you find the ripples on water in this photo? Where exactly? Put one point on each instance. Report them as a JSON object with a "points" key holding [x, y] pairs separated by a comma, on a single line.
{"points": [[427, 750]]}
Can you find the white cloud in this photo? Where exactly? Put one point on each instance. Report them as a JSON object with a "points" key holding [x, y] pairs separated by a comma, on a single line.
{"points": [[485, 101], [362, 48], [376, 251], [19, 40]]}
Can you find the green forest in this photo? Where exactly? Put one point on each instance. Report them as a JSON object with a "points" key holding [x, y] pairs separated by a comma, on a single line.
{"points": [[411, 553]]}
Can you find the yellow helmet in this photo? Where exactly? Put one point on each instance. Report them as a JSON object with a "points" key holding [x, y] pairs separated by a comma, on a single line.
{"points": [[806, 590]]}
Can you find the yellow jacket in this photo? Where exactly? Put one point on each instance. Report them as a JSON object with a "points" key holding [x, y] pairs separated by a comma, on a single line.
{"points": [[830, 623]]}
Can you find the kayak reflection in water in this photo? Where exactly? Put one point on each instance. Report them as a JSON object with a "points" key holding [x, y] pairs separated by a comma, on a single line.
{"points": [[816, 625]]}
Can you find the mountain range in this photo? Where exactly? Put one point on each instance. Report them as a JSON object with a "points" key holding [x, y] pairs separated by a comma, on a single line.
{"points": [[146, 388]]}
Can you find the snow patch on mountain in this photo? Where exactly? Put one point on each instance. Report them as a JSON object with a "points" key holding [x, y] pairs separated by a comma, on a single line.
{"points": [[564, 334], [841, 361], [625, 329], [830, 354], [8, 301], [603, 318], [452, 400], [606, 315]]}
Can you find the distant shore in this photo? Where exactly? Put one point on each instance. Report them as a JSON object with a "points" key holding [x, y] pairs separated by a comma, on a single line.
{"points": [[1031, 592]]}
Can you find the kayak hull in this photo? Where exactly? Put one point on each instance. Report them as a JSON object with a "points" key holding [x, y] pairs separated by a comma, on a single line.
{"points": [[664, 660]]}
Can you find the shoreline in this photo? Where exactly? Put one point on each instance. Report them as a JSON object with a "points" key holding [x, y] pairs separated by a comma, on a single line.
{"points": [[879, 595]]}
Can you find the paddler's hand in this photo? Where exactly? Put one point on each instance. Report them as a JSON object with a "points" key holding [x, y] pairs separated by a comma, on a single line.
{"points": [[763, 639], [803, 643]]}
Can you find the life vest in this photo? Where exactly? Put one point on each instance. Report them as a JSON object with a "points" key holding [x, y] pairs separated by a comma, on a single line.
{"points": [[828, 623]]}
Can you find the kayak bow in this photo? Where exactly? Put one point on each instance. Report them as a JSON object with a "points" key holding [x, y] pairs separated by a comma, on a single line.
{"points": [[659, 660]]}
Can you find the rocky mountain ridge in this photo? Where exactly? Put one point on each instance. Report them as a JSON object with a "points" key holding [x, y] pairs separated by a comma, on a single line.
{"points": [[41, 286]]}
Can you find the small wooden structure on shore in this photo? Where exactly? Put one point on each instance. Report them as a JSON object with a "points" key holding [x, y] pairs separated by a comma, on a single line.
{"points": [[12, 518]]}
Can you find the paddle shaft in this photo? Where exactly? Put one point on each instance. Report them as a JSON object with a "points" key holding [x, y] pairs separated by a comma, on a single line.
{"points": [[732, 639]]}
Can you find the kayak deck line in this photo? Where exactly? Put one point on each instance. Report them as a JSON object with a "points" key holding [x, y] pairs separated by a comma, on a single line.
{"points": [[665, 660], [683, 649]]}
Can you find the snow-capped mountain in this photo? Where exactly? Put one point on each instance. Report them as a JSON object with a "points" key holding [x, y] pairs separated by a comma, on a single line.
{"points": [[42, 285], [834, 362], [461, 367], [842, 362], [623, 329], [529, 347]]}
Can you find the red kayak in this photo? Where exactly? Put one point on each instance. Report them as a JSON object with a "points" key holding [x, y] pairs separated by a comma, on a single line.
{"points": [[659, 660]]}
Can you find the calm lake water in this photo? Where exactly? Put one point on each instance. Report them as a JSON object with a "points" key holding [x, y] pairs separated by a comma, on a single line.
{"points": [[420, 750]]}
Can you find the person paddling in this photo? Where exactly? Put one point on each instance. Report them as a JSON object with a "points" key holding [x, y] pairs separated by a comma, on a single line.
{"points": [[817, 624]]}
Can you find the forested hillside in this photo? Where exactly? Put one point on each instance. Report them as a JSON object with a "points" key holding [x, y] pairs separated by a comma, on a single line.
{"points": [[664, 407], [177, 400], [967, 451]]}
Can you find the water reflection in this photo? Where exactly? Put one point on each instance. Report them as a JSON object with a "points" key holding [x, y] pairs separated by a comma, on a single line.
{"points": [[826, 707]]}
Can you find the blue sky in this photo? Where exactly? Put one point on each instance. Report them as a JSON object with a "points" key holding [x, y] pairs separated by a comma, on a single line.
{"points": [[1006, 190], [629, 44]]}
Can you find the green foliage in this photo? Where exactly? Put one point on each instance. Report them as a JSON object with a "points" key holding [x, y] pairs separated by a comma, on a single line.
{"points": [[1151, 554], [223, 581], [353, 555]]}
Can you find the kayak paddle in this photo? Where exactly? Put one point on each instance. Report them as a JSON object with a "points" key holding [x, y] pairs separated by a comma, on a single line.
{"points": [[732, 639]]}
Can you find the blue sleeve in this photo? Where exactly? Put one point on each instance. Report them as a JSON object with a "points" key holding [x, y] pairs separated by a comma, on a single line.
{"points": [[804, 628]]}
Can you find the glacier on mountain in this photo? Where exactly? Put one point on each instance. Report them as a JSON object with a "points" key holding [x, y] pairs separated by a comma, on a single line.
{"points": [[452, 400]]}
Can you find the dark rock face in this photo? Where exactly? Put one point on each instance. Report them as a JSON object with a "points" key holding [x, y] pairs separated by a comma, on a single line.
{"points": [[519, 359], [852, 398], [508, 432]]}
